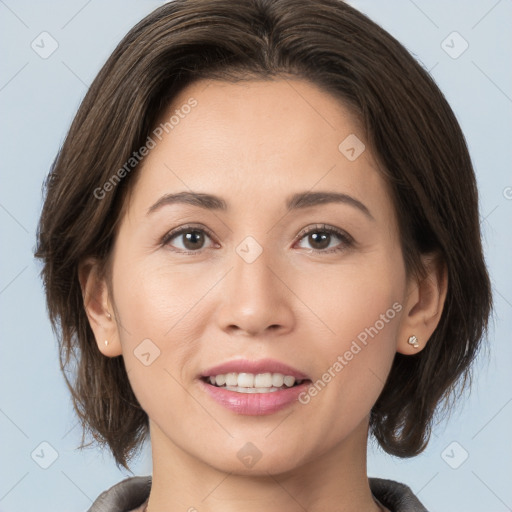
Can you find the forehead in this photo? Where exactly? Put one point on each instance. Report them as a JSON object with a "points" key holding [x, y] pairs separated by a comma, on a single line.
{"points": [[258, 140]]}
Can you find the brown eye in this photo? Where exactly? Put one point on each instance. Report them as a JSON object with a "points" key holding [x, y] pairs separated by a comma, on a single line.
{"points": [[186, 239], [319, 240], [321, 237], [193, 240]]}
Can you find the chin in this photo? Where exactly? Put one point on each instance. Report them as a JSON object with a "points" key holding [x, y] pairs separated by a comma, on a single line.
{"points": [[258, 457], [261, 468]]}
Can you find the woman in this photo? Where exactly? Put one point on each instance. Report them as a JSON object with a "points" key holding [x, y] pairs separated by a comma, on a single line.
{"points": [[261, 244]]}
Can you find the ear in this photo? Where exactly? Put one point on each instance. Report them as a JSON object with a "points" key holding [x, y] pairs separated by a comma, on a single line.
{"points": [[98, 307], [424, 305]]}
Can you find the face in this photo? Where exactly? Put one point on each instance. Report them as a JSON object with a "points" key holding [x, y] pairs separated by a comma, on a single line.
{"points": [[262, 277]]}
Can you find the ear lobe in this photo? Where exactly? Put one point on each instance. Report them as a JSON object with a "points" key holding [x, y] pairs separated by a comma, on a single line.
{"points": [[98, 307], [424, 306]]}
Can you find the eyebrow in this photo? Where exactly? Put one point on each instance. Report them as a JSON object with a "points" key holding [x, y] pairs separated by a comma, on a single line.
{"points": [[295, 202]]}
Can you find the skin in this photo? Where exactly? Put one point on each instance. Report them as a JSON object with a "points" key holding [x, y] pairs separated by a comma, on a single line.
{"points": [[253, 144]]}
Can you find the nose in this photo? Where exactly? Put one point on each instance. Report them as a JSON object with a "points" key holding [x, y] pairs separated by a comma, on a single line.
{"points": [[255, 298]]}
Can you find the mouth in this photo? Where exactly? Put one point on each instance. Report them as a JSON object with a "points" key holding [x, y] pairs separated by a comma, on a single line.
{"points": [[254, 388], [244, 382], [246, 376]]}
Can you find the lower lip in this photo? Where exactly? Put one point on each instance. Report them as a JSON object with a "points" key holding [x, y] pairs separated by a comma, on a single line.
{"points": [[255, 404]]}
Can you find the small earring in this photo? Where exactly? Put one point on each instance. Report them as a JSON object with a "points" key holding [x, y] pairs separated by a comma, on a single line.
{"points": [[106, 342], [109, 316], [413, 341]]}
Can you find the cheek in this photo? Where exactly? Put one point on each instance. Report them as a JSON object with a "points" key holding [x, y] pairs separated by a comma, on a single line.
{"points": [[356, 343], [355, 301], [153, 298], [158, 327]]}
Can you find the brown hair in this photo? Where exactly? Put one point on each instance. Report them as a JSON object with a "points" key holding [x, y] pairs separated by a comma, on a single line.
{"points": [[409, 126]]}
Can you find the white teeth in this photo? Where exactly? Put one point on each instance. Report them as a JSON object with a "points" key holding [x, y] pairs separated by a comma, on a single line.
{"points": [[251, 390], [289, 381], [253, 383], [231, 379], [245, 380], [263, 380], [277, 380]]}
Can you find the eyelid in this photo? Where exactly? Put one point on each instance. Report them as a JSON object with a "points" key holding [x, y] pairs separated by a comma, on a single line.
{"points": [[324, 227], [346, 239], [183, 229]]}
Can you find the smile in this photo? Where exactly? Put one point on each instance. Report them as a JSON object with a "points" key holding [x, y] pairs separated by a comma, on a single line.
{"points": [[253, 383]]}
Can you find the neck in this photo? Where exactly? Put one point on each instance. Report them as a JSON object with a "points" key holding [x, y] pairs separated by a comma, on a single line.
{"points": [[335, 480]]}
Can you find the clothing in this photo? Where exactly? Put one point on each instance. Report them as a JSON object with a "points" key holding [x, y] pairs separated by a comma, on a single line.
{"points": [[131, 494]]}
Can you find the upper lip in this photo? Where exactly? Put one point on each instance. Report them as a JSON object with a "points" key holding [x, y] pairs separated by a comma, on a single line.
{"points": [[255, 367]]}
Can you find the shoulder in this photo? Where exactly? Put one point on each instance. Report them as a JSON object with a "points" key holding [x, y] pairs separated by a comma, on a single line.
{"points": [[395, 496], [125, 496]]}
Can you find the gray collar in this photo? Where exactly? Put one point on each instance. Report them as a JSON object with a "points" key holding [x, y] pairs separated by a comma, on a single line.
{"points": [[134, 491]]}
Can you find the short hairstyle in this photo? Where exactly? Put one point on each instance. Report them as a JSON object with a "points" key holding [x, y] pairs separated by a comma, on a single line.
{"points": [[408, 125]]}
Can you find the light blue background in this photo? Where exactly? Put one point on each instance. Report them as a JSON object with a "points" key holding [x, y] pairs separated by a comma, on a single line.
{"points": [[38, 99]]}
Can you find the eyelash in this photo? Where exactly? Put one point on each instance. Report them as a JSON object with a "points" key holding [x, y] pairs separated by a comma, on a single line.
{"points": [[346, 239]]}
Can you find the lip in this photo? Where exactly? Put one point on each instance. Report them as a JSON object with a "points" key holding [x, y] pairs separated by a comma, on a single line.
{"points": [[254, 404], [255, 367]]}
